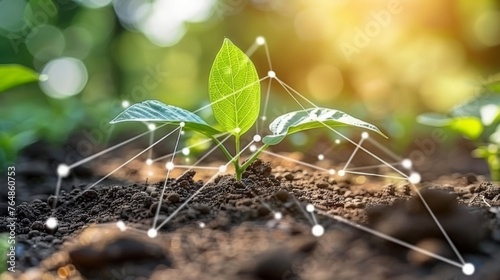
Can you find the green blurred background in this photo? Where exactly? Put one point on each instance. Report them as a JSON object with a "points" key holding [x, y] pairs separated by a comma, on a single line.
{"points": [[384, 61]]}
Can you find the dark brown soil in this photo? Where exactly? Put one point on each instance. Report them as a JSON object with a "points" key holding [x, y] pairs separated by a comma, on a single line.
{"points": [[228, 231]]}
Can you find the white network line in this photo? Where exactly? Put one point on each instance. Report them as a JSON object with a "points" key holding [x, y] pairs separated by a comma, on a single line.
{"points": [[289, 90]]}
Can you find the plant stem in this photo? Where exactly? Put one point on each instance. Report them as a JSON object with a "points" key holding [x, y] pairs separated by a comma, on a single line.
{"points": [[253, 157], [223, 149], [494, 165], [236, 161]]}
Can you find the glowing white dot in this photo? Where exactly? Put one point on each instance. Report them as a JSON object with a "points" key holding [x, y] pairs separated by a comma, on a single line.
{"points": [[317, 230], [321, 157], [51, 223], [278, 215], [125, 103], [182, 124], [263, 118], [152, 233], [150, 173], [185, 151], [341, 173], [468, 269], [170, 165], [121, 225], [201, 224], [151, 126], [414, 178], [331, 171], [149, 161], [365, 135], [237, 130], [43, 77], [253, 148], [310, 208], [222, 168], [260, 40], [337, 141], [182, 132], [66, 77], [63, 170], [271, 74], [406, 163], [257, 138]]}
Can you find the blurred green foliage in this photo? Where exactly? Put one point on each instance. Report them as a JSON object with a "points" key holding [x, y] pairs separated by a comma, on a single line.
{"points": [[478, 119]]}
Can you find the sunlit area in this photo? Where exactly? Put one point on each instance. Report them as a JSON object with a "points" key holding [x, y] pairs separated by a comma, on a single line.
{"points": [[134, 115]]}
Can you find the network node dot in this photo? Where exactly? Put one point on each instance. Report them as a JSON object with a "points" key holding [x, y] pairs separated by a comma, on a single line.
{"points": [[121, 225], [271, 74], [257, 138], [170, 165], [43, 77], [125, 104], [317, 230], [185, 151], [414, 178], [260, 40], [468, 269], [237, 130], [331, 171], [183, 132], [321, 157], [337, 141], [263, 118], [63, 170], [222, 168], [406, 163], [253, 148], [365, 135], [201, 224], [149, 161], [182, 124], [341, 172], [278, 215], [51, 223], [310, 208], [151, 126], [152, 233]]}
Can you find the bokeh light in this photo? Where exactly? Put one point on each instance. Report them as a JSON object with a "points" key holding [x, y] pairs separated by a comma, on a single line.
{"points": [[65, 77]]}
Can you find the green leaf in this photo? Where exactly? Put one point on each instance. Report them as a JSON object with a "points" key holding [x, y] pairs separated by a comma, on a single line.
{"points": [[12, 75], [311, 118], [234, 89], [472, 108], [493, 86], [155, 111], [470, 127]]}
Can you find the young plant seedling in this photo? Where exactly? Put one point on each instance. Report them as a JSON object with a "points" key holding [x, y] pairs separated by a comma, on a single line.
{"points": [[234, 91], [477, 120]]}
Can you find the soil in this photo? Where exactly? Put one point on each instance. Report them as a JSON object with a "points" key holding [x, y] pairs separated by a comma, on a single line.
{"points": [[230, 231]]}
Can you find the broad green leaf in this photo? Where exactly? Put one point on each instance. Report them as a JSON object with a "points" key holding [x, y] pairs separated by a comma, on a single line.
{"points": [[12, 75], [470, 127], [155, 111], [234, 89], [311, 118]]}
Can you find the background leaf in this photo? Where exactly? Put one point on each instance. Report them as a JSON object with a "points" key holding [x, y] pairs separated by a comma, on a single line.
{"points": [[12, 75], [311, 118], [155, 111], [234, 89], [469, 126]]}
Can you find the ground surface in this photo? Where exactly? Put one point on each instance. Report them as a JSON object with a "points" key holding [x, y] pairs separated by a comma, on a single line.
{"points": [[229, 230]]}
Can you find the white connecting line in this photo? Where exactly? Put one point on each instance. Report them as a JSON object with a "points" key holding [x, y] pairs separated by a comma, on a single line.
{"points": [[317, 230]]}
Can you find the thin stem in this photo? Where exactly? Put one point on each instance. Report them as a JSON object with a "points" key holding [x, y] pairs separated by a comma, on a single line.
{"points": [[223, 149], [253, 157], [236, 159]]}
